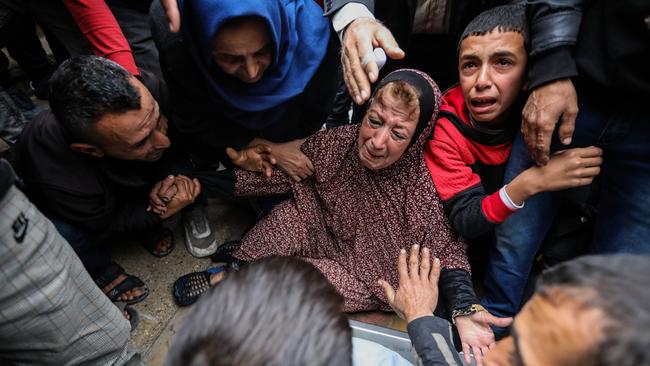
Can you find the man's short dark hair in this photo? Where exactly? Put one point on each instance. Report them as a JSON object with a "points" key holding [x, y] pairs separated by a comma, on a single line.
{"points": [[85, 88], [504, 18], [620, 285], [276, 311]]}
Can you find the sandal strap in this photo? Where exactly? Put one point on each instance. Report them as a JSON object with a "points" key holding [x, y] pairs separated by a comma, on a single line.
{"points": [[188, 288], [109, 275], [150, 240], [131, 282]]}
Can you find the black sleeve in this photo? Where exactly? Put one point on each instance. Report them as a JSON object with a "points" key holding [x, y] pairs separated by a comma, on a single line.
{"points": [[457, 289], [465, 212], [7, 177], [332, 6], [554, 26], [133, 217], [431, 337]]}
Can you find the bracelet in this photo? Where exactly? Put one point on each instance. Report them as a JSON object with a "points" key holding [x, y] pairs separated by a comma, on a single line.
{"points": [[467, 310]]}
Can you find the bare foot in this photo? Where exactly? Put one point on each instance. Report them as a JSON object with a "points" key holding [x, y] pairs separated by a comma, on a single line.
{"points": [[217, 277], [163, 246]]}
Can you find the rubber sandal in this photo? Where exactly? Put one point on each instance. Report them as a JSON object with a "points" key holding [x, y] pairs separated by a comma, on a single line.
{"points": [[131, 282], [134, 317], [222, 254], [150, 242], [188, 288]]}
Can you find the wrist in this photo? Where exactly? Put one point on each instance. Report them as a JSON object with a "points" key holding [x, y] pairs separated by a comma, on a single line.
{"points": [[466, 311], [411, 317]]}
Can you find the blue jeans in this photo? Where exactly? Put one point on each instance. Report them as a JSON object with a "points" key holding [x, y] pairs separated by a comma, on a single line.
{"points": [[95, 258], [622, 130]]}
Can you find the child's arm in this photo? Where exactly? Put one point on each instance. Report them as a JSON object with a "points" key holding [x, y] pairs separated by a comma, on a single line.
{"points": [[566, 169]]}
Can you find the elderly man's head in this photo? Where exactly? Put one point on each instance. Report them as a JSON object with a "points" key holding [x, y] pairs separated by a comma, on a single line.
{"points": [[106, 111], [591, 311]]}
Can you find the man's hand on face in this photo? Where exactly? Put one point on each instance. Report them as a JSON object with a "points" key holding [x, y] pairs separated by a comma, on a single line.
{"points": [[547, 105], [361, 37], [417, 295], [257, 158]]}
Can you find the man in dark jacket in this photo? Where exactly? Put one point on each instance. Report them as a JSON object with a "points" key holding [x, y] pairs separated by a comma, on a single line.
{"points": [[88, 165], [589, 56]]}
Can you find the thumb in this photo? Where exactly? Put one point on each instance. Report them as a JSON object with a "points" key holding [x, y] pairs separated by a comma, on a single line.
{"points": [[233, 154], [499, 322], [386, 41], [388, 290]]}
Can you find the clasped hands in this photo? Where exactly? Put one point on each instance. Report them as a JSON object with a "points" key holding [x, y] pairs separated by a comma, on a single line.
{"points": [[172, 194], [261, 156]]}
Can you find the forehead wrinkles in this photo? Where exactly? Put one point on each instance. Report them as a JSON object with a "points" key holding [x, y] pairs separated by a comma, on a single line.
{"points": [[383, 104]]}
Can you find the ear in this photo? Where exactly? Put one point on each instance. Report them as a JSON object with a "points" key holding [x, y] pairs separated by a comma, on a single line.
{"points": [[89, 149]]}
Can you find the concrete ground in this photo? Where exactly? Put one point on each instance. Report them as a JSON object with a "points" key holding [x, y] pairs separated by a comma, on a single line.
{"points": [[160, 317]]}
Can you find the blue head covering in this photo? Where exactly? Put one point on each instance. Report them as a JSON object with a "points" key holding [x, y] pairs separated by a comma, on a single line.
{"points": [[299, 33]]}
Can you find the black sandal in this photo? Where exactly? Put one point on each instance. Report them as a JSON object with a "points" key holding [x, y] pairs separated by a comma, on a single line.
{"points": [[134, 317], [222, 254], [131, 282], [188, 288], [152, 238]]}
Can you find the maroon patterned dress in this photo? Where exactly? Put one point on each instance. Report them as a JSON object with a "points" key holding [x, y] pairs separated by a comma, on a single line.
{"points": [[350, 222]]}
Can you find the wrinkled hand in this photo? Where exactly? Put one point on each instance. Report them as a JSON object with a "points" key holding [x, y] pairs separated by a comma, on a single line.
{"points": [[172, 14], [292, 161], [361, 37], [417, 295], [547, 105], [161, 193], [188, 190], [476, 335], [571, 168], [255, 158]]}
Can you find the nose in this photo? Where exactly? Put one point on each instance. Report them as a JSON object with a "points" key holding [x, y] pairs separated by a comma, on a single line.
{"points": [[252, 68], [161, 141], [484, 79], [379, 139]]}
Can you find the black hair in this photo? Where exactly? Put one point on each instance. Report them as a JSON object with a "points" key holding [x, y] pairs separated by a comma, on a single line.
{"points": [[504, 18], [276, 311], [85, 88], [620, 284]]}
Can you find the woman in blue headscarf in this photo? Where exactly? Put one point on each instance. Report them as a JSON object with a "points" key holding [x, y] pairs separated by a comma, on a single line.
{"points": [[246, 72]]}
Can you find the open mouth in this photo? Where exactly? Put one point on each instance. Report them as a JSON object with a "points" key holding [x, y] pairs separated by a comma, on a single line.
{"points": [[483, 102], [371, 155]]}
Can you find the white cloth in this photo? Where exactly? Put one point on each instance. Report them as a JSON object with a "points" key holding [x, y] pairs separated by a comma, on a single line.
{"points": [[367, 353]]}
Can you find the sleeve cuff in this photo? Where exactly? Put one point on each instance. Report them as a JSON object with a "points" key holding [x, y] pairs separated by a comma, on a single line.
{"points": [[552, 65], [508, 201], [494, 209], [347, 14]]}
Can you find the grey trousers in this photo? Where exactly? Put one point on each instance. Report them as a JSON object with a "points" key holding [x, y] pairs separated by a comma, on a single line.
{"points": [[51, 311]]}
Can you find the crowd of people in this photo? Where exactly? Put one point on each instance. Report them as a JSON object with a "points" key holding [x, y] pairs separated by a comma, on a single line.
{"points": [[395, 150]]}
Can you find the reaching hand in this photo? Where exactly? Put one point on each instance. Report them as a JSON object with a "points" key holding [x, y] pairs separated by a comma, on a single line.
{"points": [[172, 13], [476, 335], [161, 193], [361, 37], [292, 161], [255, 158], [547, 105], [417, 295], [571, 168], [188, 190]]}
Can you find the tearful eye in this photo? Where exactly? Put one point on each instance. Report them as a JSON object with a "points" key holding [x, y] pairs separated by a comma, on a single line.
{"points": [[374, 122]]}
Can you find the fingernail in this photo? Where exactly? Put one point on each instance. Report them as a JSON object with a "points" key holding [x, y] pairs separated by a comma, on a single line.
{"points": [[371, 75], [437, 260], [425, 249], [416, 246], [402, 250], [364, 94], [566, 141], [357, 99]]}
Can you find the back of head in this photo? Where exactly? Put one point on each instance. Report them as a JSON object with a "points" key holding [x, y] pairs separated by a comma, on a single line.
{"points": [[277, 311], [505, 18], [618, 285], [85, 88]]}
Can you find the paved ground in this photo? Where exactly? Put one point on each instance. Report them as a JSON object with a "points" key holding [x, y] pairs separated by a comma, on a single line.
{"points": [[159, 315]]}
